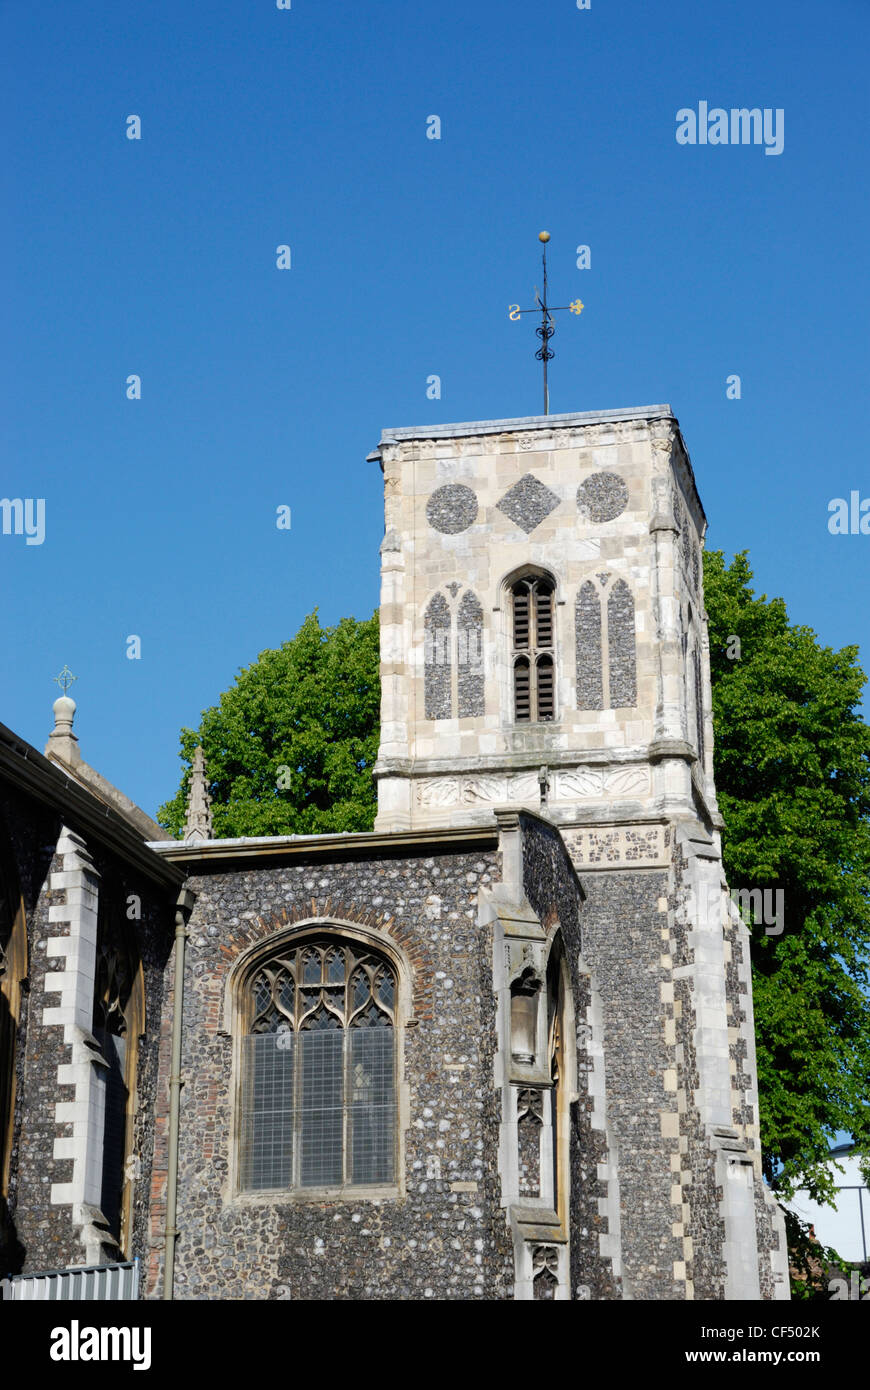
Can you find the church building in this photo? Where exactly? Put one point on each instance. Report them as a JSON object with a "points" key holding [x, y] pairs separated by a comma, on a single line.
{"points": [[500, 1047]]}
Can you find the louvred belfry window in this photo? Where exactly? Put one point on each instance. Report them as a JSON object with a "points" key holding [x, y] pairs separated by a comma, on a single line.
{"points": [[533, 650], [319, 1079]]}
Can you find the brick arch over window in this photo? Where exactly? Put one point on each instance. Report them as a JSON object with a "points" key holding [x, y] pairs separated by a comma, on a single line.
{"points": [[410, 954], [437, 659]]}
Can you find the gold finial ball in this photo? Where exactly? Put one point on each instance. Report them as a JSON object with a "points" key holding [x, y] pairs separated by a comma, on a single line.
{"points": [[543, 236]]}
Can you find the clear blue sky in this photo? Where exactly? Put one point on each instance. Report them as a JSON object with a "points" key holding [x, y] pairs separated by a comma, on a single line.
{"points": [[260, 387]]}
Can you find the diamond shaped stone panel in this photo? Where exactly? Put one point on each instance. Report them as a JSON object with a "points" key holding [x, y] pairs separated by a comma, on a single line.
{"points": [[528, 502]]}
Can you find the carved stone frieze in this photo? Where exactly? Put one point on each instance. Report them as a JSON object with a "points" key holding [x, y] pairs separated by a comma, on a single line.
{"points": [[492, 789], [580, 782], [523, 787], [438, 791], [625, 780]]}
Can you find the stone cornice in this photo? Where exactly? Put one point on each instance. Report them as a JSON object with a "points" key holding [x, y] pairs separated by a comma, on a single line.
{"points": [[364, 844], [523, 423], [388, 766], [575, 420]]}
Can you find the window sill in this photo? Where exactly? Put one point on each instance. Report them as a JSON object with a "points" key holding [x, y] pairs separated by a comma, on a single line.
{"points": [[384, 1192]]}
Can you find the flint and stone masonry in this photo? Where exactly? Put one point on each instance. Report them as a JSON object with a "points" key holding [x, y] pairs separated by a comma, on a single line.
{"points": [[572, 1110]]}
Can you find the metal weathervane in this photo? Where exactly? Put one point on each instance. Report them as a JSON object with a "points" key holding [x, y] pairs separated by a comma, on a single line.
{"points": [[547, 327]]}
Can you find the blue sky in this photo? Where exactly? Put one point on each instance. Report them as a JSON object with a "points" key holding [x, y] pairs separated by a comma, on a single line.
{"points": [[261, 387]]}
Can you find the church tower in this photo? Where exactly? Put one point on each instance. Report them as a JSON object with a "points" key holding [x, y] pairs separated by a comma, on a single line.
{"points": [[542, 628], [544, 649]]}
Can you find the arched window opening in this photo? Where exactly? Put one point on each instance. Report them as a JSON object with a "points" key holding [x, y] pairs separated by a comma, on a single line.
{"points": [[533, 649], [319, 1068], [117, 1025]]}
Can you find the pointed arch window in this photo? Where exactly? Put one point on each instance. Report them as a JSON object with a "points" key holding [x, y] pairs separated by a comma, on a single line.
{"points": [[118, 1023], [319, 1068], [534, 653]]}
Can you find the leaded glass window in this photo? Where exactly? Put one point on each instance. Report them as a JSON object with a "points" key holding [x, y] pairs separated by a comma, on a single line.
{"points": [[319, 1069]]}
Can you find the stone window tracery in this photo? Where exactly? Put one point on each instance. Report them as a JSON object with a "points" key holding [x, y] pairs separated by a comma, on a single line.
{"points": [[319, 1068]]}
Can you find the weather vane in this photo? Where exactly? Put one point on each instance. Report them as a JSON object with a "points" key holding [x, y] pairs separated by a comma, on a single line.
{"points": [[547, 327], [65, 679]]}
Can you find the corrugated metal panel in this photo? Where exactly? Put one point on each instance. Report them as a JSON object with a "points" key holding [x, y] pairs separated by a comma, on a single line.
{"points": [[93, 1284]]}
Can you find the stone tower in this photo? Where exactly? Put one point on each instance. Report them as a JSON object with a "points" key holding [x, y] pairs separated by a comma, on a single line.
{"points": [[604, 510], [544, 648]]}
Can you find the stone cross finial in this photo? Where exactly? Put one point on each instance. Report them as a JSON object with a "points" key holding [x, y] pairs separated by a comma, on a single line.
{"points": [[198, 825], [62, 742]]}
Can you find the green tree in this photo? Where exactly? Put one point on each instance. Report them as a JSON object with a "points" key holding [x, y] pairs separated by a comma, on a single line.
{"points": [[290, 747], [792, 767]]}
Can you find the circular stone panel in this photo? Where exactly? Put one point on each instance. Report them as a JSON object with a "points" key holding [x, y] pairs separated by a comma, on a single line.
{"points": [[451, 509], [602, 496]]}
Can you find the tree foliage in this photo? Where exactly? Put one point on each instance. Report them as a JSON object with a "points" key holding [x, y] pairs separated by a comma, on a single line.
{"points": [[792, 767], [812, 1266], [290, 747]]}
